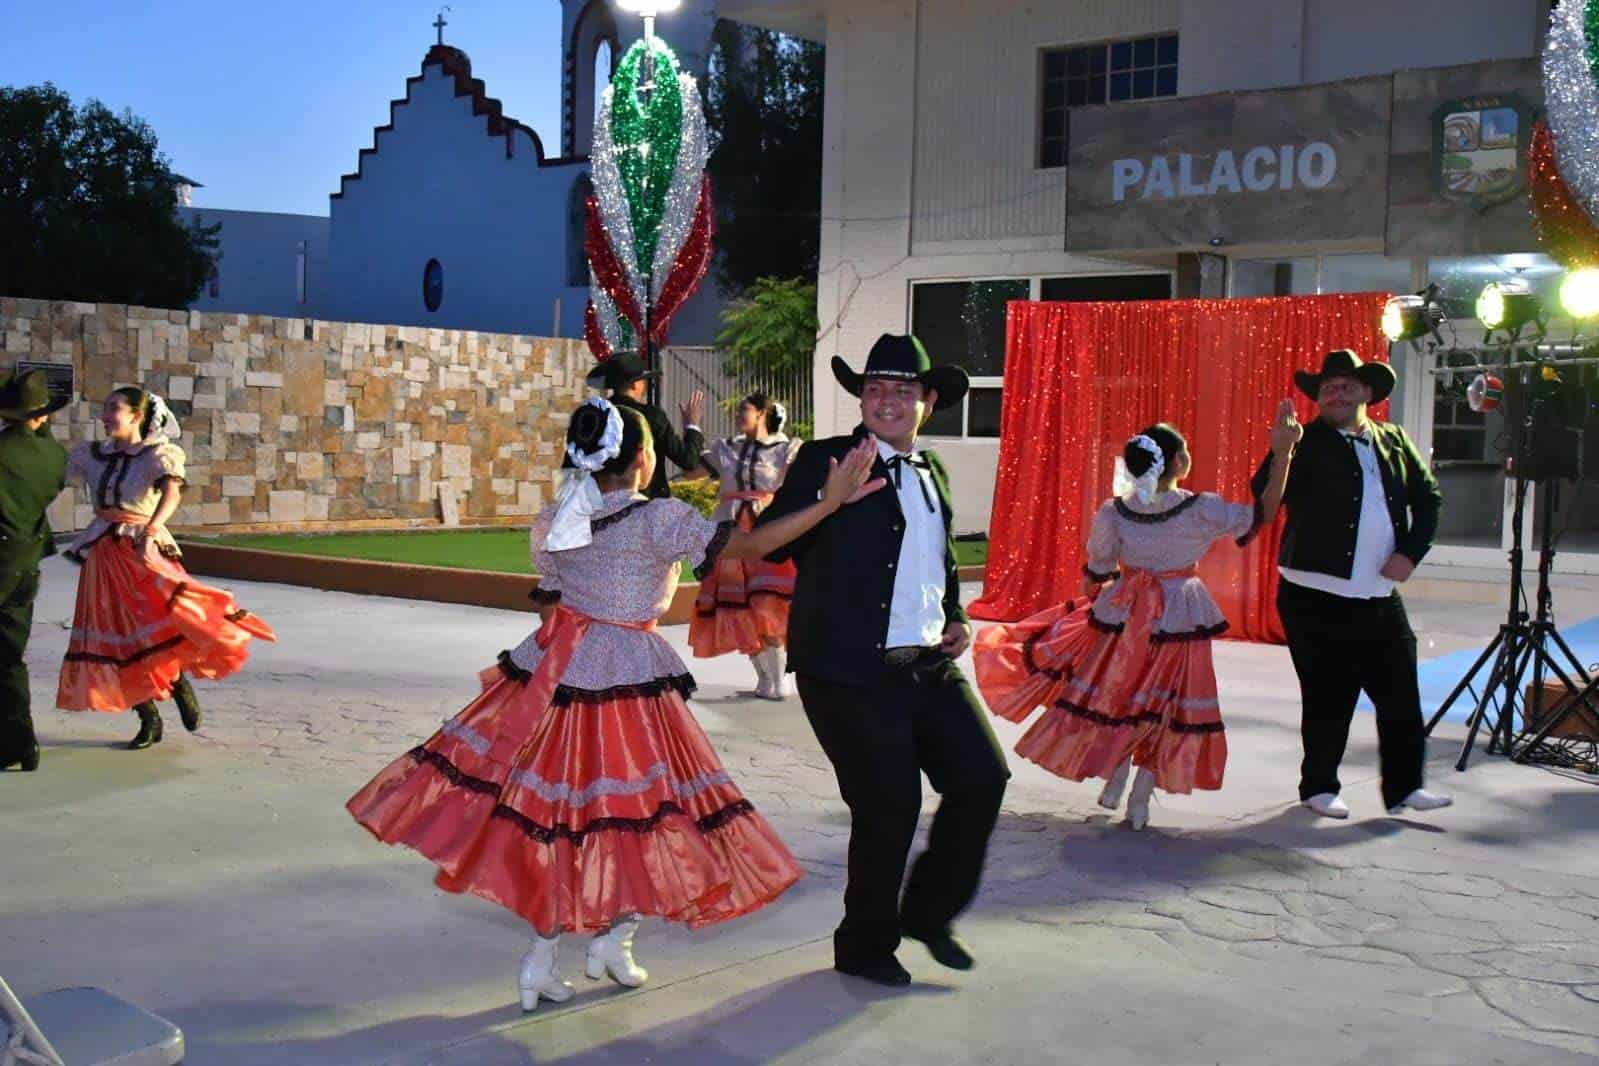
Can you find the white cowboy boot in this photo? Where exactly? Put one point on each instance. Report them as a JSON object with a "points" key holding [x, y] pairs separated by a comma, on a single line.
{"points": [[1138, 802], [537, 979], [1111, 796], [775, 671], [612, 953], [763, 683]]}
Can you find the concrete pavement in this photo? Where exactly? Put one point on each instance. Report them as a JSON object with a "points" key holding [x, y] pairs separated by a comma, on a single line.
{"points": [[217, 880]]}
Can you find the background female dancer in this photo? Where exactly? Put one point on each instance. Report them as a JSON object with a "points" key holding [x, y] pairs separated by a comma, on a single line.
{"points": [[141, 622], [743, 604], [1126, 677], [577, 790]]}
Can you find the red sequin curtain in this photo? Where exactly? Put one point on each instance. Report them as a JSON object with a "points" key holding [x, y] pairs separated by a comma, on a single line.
{"points": [[1080, 378]]}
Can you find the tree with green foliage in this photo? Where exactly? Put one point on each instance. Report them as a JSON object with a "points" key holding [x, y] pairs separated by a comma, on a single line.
{"points": [[88, 207], [763, 105], [771, 329]]}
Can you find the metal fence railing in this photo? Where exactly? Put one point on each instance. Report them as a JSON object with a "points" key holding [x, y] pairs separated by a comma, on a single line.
{"points": [[684, 369]]}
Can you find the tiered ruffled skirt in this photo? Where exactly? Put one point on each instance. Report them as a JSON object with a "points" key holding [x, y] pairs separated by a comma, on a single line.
{"points": [[141, 621], [573, 811], [1109, 693], [742, 605]]}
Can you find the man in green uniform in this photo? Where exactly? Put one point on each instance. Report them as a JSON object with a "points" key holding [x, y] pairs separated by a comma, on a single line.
{"points": [[33, 471]]}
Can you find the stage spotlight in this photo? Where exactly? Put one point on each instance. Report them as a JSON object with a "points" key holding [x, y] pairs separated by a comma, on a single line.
{"points": [[1507, 305], [1405, 318], [1579, 293]]}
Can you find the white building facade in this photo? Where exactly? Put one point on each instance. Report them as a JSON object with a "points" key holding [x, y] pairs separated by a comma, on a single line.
{"points": [[973, 153]]}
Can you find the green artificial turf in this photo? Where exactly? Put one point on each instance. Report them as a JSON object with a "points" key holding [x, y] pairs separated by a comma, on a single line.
{"points": [[504, 550]]}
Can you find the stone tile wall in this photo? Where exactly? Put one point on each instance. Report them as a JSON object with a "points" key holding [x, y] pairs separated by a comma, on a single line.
{"points": [[295, 422]]}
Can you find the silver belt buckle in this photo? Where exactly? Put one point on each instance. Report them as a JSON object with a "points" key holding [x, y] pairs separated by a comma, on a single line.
{"points": [[902, 656]]}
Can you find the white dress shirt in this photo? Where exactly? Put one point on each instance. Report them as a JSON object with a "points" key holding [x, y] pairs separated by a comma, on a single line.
{"points": [[916, 616], [1374, 536]]}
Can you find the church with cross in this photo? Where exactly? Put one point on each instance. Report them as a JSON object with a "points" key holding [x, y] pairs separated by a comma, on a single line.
{"points": [[457, 215]]}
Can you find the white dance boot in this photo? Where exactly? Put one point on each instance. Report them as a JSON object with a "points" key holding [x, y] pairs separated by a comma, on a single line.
{"points": [[612, 953], [537, 979], [777, 678], [763, 679], [1138, 802], [1111, 797]]}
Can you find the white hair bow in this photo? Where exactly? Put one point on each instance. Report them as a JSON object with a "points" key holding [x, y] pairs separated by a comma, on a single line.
{"points": [[163, 423], [1143, 487], [579, 499]]}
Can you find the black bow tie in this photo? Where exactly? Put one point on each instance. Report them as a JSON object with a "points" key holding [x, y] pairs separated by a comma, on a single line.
{"points": [[1357, 440], [896, 464]]}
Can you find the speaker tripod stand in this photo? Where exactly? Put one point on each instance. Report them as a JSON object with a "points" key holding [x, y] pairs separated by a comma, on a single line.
{"points": [[1523, 642]]}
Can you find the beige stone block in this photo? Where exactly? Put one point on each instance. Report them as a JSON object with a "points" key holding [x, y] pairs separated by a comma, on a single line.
{"points": [[288, 423], [180, 388], [247, 423], [333, 394], [402, 462], [504, 486], [457, 461], [316, 508], [304, 379], [261, 379], [208, 402], [449, 506], [266, 462], [368, 441], [238, 485], [312, 466], [214, 514], [287, 505], [530, 497]]}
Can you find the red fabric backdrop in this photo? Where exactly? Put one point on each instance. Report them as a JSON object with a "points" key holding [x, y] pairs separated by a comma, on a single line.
{"points": [[1080, 378]]}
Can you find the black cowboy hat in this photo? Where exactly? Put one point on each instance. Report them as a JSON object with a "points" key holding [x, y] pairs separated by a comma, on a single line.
{"points": [[1343, 363], [901, 357], [618, 372], [27, 395]]}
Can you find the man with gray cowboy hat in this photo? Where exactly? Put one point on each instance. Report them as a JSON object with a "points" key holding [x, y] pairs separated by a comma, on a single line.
{"points": [[875, 627], [625, 377], [1362, 511], [33, 470]]}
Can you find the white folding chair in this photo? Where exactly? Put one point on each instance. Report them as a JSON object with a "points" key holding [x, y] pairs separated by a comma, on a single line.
{"points": [[92, 1028]]}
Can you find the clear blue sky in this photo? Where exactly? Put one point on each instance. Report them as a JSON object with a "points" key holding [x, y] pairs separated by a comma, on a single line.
{"points": [[266, 104]]}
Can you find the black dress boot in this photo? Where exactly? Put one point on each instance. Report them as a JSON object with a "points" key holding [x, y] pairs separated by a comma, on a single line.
{"points": [[188, 703], [25, 758], [149, 727]]}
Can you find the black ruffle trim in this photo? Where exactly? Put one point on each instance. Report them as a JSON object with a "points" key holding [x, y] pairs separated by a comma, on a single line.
{"points": [[142, 653], [548, 834], [1170, 513], [1254, 528], [616, 516], [1099, 718], [744, 603], [566, 695], [545, 597], [1095, 575], [724, 533], [1202, 633], [1030, 659], [1105, 627]]}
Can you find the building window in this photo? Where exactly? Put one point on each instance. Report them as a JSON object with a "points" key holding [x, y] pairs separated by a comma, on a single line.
{"points": [[604, 69], [300, 278], [1109, 72], [963, 322], [432, 285]]}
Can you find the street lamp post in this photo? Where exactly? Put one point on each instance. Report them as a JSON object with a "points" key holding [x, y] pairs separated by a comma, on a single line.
{"points": [[647, 10]]}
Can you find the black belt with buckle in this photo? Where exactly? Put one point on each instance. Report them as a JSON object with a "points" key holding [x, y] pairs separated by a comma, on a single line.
{"points": [[906, 656]]}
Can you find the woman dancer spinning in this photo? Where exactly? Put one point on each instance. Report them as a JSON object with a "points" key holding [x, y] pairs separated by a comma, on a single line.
{"points": [[1126, 676], [141, 621], [743, 604], [577, 790]]}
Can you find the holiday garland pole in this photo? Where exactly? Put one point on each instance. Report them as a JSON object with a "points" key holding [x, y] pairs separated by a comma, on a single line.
{"points": [[648, 232], [1563, 166]]}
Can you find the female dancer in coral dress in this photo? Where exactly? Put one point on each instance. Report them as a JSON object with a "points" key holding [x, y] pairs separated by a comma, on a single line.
{"points": [[743, 603], [1126, 677], [141, 621], [577, 790]]}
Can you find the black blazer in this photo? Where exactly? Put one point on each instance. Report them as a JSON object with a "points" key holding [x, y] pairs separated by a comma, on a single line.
{"points": [[839, 617], [1323, 498], [684, 451], [32, 473]]}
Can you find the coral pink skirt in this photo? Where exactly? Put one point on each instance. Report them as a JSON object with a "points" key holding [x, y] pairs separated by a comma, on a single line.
{"points": [[572, 808], [140, 621], [743, 604], [1109, 693]]}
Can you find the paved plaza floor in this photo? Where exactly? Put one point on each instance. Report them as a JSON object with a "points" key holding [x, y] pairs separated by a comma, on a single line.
{"points": [[218, 881]]}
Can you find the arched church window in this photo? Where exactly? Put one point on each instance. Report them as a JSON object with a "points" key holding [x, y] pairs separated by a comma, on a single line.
{"points": [[432, 285], [604, 67], [577, 261]]}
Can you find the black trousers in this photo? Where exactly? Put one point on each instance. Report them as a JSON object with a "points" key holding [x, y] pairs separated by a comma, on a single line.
{"points": [[17, 592], [1341, 646], [880, 740]]}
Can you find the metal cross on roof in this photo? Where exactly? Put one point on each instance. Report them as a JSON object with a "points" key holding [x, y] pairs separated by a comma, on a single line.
{"points": [[439, 23]]}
